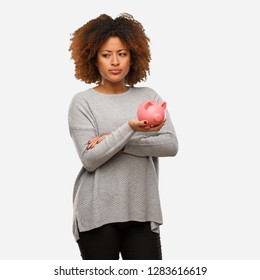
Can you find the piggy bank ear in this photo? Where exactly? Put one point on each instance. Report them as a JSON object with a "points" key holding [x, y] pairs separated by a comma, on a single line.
{"points": [[163, 104], [148, 104]]}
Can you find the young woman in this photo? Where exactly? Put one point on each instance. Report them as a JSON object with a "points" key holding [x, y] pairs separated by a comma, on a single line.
{"points": [[116, 200]]}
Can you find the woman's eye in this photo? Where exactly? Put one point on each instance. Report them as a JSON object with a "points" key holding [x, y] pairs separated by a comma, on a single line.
{"points": [[122, 54], [105, 55]]}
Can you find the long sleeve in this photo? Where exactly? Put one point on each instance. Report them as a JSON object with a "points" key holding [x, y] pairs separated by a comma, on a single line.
{"points": [[163, 143], [82, 127]]}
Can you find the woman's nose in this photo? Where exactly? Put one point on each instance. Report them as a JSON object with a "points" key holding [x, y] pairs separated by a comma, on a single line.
{"points": [[115, 60]]}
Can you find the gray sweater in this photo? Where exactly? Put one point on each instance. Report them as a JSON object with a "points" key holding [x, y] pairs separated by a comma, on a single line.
{"points": [[119, 178]]}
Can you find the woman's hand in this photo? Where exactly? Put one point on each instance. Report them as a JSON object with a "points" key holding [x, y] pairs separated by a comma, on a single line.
{"points": [[94, 141], [142, 126]]}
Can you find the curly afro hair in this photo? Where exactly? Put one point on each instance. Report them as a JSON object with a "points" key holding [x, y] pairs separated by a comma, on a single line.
{"points": [[87, 40]]}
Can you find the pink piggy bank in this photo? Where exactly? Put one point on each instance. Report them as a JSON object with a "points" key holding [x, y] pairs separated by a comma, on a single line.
{"points": [[152, 111]]}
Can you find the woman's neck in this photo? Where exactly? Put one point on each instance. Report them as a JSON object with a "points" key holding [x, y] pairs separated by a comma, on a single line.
{"points": [[112, 89]]}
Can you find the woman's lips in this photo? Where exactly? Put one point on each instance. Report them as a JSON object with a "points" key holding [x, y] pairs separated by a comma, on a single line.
{"points": [[115, 71]]}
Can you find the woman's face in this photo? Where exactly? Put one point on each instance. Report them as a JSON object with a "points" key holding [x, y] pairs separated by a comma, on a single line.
{"points": [[113, 61]]}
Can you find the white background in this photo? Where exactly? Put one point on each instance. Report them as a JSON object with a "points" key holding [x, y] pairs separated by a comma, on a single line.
{"points": [[205, 64]]}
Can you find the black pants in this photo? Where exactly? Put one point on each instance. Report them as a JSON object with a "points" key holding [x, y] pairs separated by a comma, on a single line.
{"points": [[134, 240]]}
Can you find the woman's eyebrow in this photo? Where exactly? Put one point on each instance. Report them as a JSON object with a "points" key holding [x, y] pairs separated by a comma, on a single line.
{"points": [[111, 51]]}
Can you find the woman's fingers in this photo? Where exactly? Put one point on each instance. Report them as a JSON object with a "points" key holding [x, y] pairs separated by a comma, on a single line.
{"points": [[156, 127], [96, 140]]}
